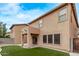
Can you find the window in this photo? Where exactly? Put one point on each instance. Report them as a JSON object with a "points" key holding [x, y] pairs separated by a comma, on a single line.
{"points": [[40, 23], [56, 38], [50, 39], [63, 14], [44, 38]]}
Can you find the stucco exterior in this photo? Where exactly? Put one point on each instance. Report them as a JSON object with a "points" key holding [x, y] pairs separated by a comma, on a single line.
{"points": [[51, 25], [17, 33], [73, 29]]}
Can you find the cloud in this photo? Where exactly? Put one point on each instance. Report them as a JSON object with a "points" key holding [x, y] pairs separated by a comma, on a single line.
{"points": [[23, 16], [13, 13], [10, 9]]}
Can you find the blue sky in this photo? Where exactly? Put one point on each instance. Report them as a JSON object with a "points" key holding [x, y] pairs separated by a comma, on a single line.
{"points": [[24, 12]]}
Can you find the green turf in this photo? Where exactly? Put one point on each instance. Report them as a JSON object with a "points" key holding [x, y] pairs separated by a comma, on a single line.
{"points": [[39, 51]]}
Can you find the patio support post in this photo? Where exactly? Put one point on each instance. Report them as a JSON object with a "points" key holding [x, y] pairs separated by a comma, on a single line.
{"points": [[21, 40], [29, 38]]}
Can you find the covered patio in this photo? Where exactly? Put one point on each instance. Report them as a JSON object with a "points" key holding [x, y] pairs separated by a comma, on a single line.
{"points": [[30, 37]]}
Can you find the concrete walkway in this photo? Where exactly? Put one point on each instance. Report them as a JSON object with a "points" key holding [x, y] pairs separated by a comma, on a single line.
{"points": [[74, 54], [0, 55], [0, 51]]}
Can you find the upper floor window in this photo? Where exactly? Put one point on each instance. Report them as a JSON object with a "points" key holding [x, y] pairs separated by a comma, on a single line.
{"points": [[40, 23], [63, 14]]}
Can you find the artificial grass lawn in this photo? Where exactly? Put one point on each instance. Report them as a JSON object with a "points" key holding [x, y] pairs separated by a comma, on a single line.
{"points": [[38, 51]]}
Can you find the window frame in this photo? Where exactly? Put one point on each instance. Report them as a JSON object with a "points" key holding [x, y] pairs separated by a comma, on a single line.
{"points": [[46, 39], [59, 20], [40, 23], [54, 39], [51, 38]]}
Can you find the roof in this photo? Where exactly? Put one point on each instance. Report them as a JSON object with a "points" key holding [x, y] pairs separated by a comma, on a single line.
{"points": [[60, 6], [17, 25]]}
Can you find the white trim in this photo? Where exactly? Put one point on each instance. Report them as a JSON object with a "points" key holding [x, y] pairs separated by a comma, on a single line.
{"points": [[47, 39], [53, 39]]}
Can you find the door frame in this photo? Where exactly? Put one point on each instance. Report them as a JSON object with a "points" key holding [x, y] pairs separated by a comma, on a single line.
{"points": [[34, 39]]}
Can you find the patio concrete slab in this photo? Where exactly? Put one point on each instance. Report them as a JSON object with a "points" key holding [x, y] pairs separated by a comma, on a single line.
{"points": [[0, 55], [74, 54]]}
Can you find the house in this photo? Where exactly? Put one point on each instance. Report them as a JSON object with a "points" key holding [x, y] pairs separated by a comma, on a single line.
{"points": [[16, 32], [55, 29]]}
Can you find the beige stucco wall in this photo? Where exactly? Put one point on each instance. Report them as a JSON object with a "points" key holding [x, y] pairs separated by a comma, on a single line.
{"points": [[73, 29], [51, 25], [17, 33]]}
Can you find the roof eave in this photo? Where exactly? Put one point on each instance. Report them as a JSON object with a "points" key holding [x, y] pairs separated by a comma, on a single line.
{"points": [[75, 13], [17, 25], [49, 12]]}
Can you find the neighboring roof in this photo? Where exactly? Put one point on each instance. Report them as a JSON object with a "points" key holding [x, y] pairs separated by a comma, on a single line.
{"points": [[17, 25], [60, 6]]}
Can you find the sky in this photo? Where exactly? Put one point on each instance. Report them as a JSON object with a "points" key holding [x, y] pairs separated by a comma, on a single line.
{"points": [[18, 13]]}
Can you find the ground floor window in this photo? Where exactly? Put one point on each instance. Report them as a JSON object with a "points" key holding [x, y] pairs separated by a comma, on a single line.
{"points": [[44, 38], [56, 38], [50, 38]]}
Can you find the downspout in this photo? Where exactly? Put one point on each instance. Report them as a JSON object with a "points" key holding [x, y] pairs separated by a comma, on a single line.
{"points": [[71, 39]]}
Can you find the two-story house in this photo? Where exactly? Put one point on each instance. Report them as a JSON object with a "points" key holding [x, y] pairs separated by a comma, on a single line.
{"points": [[55, 29]]}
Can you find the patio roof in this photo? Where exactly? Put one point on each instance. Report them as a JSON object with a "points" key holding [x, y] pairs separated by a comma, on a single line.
{"points": [[34, 30]]}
